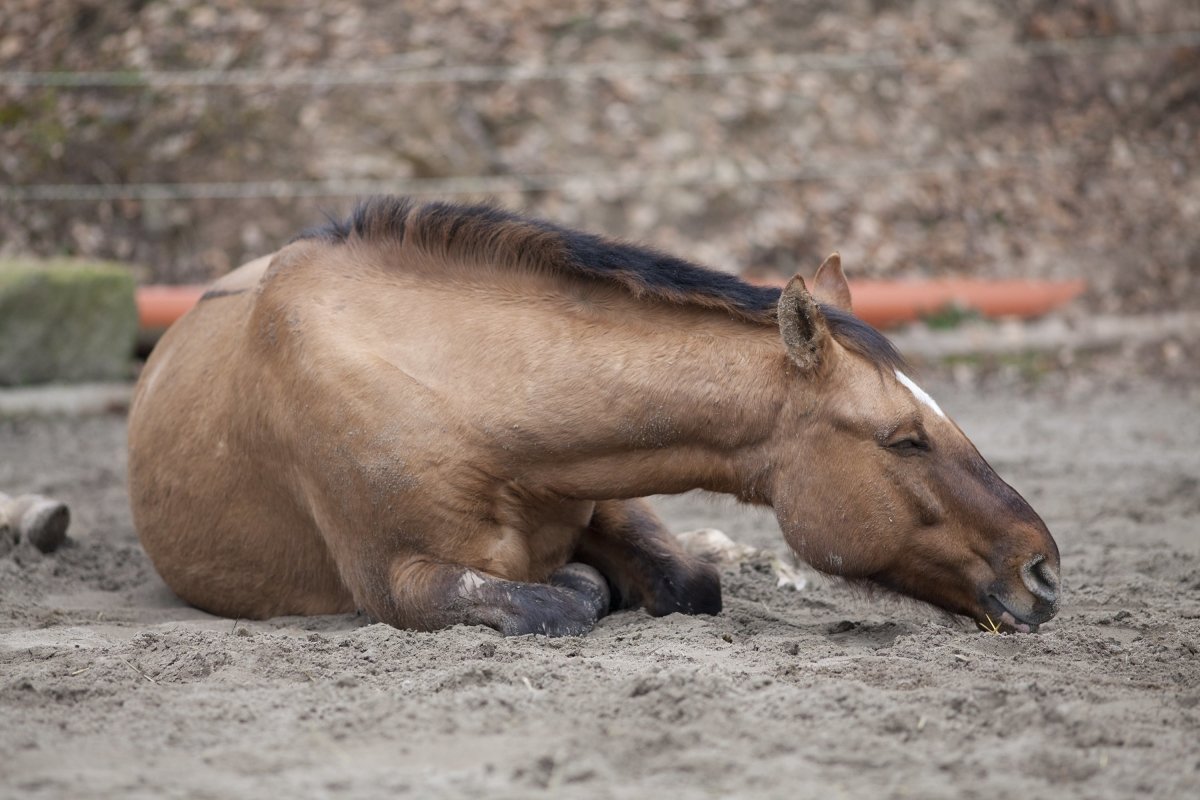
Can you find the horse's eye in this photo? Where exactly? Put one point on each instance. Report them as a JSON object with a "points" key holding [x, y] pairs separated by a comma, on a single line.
{"points": [[909, 446]]}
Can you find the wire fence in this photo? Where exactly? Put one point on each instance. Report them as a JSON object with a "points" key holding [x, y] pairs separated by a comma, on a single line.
{"points": [[407, 70], [607, 183], [408, 73]]}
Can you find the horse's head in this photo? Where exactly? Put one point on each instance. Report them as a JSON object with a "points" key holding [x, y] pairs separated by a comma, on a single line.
{"points": [[873, 481]]}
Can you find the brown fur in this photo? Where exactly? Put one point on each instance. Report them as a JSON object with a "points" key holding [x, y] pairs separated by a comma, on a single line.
{"points": [[429, 412]]}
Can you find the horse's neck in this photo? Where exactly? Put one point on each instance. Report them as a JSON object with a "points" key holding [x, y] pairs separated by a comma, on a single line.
{"points": [[582, 390], [664, 408]]}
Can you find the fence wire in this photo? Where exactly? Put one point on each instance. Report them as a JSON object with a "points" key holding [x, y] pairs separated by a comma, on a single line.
{"points": [[409, 70], [402, 73], [612, 183]]}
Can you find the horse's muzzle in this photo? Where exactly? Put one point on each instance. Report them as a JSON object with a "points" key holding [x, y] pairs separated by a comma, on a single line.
{"points": [[1021, 608]]}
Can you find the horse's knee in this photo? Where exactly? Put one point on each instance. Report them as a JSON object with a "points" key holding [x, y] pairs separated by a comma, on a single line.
{"points": [[685, 587]]}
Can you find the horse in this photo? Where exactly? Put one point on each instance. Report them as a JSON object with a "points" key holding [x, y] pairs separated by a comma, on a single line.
{"points": [[440, 414]]}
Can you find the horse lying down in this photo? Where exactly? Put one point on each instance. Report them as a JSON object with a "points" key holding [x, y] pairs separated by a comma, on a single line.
{"points": [[442, 414]]}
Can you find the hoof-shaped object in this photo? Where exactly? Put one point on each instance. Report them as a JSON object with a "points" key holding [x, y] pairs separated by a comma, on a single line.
{"points": [[40, 520]]}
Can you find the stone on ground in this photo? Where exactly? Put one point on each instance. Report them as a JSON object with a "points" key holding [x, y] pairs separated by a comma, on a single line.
{"points": [[65, 320]]}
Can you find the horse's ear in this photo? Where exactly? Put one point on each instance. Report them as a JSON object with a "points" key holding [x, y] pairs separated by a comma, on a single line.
{"points": [[829, 284], [802, 325]]}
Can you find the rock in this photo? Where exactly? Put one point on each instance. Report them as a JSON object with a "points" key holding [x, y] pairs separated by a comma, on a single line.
{"points": [[716, 547], [65, 321], [41, 521]]}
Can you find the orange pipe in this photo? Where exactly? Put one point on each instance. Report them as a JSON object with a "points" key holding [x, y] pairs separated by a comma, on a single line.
{"points": [[884, 303], [887, 303], [159, 306], [881, 303]]}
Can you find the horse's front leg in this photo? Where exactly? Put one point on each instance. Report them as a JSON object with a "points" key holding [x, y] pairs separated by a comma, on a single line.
{"points": [[644, 563], [429, 595]]}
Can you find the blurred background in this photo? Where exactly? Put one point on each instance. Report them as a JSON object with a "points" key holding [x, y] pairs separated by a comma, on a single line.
{"points": [[998, 140]]}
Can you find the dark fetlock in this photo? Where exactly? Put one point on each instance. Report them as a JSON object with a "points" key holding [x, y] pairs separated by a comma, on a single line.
{"points": [[587, 582], [686, 588], [546, 610], [645, 565], [569, 605]]}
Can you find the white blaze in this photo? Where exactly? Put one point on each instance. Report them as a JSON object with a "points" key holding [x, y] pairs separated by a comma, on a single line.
{"points": [[919, 393]]}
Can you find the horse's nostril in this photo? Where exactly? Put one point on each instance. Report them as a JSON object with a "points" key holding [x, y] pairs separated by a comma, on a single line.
{"points": [[1040, 579]]}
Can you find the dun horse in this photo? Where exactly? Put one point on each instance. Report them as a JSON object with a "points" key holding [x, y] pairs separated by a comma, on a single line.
{"points": [[443, 414]]}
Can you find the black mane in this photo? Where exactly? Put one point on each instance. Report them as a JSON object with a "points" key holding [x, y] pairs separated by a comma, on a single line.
{"points": [[494, 234]]}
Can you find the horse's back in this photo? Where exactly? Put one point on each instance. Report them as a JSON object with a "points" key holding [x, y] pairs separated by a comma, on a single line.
{"points": [[327, 410]]}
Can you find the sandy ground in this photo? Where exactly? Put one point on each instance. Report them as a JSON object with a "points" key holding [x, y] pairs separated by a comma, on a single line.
{"points": [[109, 686]]}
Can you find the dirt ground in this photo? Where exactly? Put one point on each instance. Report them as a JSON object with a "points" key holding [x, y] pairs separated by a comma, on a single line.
{"points": [[109, 686]]}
